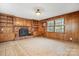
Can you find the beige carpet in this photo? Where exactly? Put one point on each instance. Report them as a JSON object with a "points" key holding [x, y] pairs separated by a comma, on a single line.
{"points": [[38, 47]]}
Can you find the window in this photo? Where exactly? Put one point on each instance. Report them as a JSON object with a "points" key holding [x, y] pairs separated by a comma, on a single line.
{"points": [[56, 25], [59, 25], [50, 26]]}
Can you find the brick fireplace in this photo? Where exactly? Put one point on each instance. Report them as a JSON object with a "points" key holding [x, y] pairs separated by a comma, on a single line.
{"points": [[23, 32]]}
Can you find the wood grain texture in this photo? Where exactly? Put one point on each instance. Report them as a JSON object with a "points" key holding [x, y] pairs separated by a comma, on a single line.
{"points": [[37, 29], [7, 37], [71, 27], [10, 25]]}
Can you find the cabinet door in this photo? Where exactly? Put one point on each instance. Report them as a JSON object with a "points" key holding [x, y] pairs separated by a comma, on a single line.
{"points": [[7, 37]]}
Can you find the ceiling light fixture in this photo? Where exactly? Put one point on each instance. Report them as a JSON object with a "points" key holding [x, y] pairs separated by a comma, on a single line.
{"points": [[38, 12]]}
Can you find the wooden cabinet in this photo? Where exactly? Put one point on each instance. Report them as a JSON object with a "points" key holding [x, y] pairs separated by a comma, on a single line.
{"points": [[6, 28], [7, 36]]}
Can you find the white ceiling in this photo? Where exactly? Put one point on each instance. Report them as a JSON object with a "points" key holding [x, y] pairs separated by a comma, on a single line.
{"points": [[26, 10]]}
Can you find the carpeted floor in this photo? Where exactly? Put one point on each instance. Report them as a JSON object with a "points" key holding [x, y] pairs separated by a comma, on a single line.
{"points": [[38, 46]]}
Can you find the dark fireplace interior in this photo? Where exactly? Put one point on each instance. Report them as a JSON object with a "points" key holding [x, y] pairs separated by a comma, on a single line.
{"points": [[23, 32]]}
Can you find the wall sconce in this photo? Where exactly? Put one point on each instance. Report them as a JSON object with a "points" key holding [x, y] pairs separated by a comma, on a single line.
{"points": [[44, 24], [2, 29]]}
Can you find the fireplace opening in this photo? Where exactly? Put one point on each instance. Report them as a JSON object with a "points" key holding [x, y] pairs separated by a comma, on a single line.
{"points": [[23, 32]]}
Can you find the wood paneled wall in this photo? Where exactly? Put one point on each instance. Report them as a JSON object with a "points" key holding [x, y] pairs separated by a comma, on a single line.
{"points": [[6, 28], [21, 22], [71, 28], [37, 28], [10, 25]]}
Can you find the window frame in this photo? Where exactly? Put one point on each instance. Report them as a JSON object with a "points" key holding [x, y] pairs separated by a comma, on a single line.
{"points": [[60, 25], [51, 26], [56, 25]]}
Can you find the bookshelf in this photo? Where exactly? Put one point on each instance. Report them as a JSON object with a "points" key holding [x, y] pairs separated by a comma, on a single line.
{"points": [[6, 24]]}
